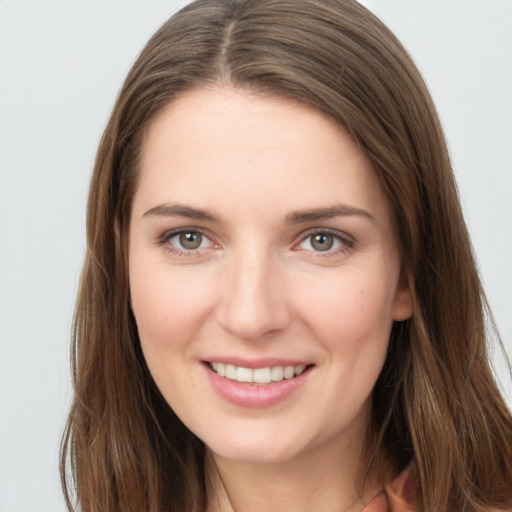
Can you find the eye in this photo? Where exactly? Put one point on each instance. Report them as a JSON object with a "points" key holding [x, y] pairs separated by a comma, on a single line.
{"points": [[185, 241], [189, 240], [321, 241], [325, 241]]}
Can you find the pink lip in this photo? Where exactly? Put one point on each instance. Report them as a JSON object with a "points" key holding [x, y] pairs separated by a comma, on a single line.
{"points": [[251, 395]]}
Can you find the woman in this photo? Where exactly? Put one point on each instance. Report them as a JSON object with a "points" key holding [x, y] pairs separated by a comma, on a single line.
{"points": [[279, 307]]}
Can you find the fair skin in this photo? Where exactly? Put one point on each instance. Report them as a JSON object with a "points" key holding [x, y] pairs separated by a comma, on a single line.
{"points": [[261, 239]]}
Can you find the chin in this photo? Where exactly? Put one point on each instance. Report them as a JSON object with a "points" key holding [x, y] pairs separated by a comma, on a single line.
{"points": [[276, 448], [255, 455], [256, 451]]}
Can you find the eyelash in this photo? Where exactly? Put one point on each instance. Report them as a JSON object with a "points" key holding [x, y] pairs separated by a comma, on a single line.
{"points": [[164, 239], [346, 242]]}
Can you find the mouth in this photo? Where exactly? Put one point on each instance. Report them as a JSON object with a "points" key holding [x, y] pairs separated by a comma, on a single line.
{"points": [[258, 376]]}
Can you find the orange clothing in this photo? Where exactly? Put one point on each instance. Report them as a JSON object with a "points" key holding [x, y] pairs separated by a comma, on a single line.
{"points": [[400, 497]]}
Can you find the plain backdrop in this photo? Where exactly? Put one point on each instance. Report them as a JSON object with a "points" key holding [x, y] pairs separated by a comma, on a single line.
{"points": [[61, 64]]}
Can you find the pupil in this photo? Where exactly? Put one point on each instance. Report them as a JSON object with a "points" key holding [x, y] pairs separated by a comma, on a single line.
{"points": [[322, 242], [190, 240]]}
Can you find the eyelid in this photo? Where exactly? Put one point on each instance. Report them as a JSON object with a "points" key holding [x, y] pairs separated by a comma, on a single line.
{"points": [[346, 240], [168, 234], [165, 237]]}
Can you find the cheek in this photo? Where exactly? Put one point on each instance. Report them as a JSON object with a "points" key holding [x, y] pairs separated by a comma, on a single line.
{"points": [[168, 306], [167, 309], [354, 310], [351, 319], [154, 308]]}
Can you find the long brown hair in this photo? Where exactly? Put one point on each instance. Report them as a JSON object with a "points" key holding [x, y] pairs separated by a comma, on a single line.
{"points": [[435, 402]]}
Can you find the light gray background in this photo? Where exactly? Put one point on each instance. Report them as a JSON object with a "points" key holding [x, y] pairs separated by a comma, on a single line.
{"points": [[61, 64]]}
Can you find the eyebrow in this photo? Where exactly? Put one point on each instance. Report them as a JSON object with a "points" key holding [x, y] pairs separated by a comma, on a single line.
{"points": [[296, 217], [315, 214], [180, 210]]}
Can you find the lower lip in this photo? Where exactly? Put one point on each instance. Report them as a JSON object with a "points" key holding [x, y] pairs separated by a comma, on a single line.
{"points": [[252, 395]]}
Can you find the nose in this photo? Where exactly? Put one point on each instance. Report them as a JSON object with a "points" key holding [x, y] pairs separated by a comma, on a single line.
{"points": [[254, 302]]}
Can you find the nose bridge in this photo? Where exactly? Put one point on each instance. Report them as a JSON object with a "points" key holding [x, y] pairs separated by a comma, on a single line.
{"points": [[254, 301]]}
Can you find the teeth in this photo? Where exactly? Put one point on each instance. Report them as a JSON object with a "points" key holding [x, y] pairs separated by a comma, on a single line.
{"points": [[231, 372], [289, 372], [262, 376], [244, 374], [277, 373], [258, 375], [299, 369]]}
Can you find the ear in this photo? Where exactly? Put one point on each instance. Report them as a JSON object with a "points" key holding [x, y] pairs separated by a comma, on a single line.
{"points": [[403, 306]]}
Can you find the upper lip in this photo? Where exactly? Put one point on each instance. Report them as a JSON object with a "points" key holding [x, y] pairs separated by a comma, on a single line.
{"points": [[262, 362]]}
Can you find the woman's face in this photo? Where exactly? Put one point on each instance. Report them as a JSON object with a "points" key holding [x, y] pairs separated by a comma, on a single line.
{"points": [[264, 274]]}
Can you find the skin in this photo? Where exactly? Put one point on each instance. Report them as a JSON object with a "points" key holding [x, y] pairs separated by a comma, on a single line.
{"points": [[257, 287]]}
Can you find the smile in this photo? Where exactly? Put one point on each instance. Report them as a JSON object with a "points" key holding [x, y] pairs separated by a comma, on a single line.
{"points": [[265, 375], [266, 384]]}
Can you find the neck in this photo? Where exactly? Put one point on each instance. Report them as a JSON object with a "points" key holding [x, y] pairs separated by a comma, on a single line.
{"points": [[324, 479]]}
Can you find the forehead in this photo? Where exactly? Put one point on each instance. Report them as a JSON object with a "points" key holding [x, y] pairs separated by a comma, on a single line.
{"points": [[213, 146]]}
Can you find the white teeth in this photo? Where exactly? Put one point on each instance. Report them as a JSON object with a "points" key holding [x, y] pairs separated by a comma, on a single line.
{"points": [[221, 369], [244, 374], [262, 376], [258, 375], [231, 372], [277, 373], [299, 369], [289, 372]]}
